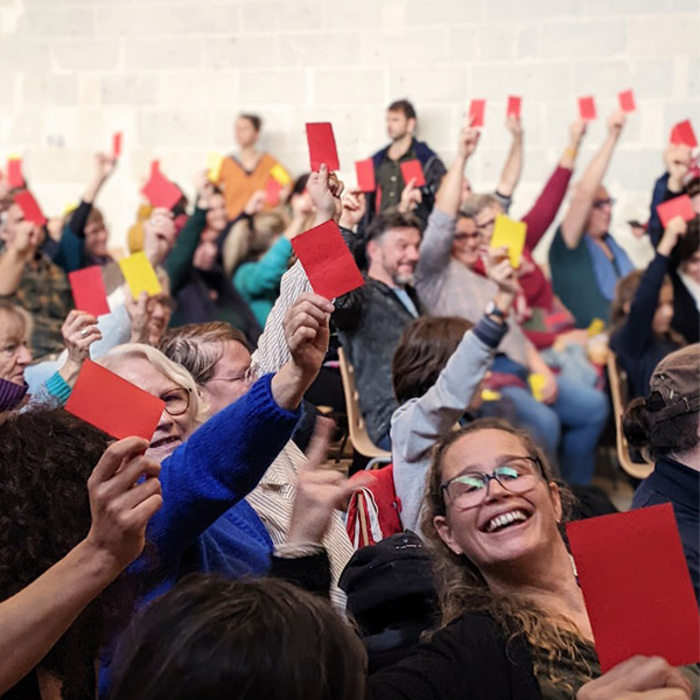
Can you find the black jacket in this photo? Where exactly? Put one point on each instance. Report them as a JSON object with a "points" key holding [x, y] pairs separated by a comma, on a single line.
{"points": [[370, 322]]}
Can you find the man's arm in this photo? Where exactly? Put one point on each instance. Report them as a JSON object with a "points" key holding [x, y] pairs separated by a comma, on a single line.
{"points": [[17, 254], [572, 227]]}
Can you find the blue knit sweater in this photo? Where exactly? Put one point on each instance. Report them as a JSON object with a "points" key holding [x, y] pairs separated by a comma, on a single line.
{"points": [[204, 524]]}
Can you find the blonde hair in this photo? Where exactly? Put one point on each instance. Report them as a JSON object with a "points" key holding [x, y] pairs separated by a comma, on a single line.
{"points": [[463, 589], [250, 239], [198, 409]]}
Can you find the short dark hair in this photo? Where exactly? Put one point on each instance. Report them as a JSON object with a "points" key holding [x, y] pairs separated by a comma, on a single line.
{"points": [[211, 637], [254, 119], [403, 106], [422, 353]]}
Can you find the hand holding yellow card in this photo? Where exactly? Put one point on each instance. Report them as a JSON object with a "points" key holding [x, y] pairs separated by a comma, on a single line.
{"points": [[509, 234], [140, 275], [537, 382]]}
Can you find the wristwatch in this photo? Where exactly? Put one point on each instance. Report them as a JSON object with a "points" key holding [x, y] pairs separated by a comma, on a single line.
{"points": [[493, 310]]}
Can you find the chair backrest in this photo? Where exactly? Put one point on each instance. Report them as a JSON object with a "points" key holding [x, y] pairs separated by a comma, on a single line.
{"points": [[356, 424], [618, 388]]}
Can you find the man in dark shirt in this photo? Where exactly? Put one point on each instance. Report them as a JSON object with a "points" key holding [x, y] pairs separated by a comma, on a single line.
{"points": [[401, 123]]}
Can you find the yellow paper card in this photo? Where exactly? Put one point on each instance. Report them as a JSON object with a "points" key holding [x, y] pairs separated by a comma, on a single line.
{"points": [[140, 275], [537, 382], [490, 395], [69, 208], [596, 328], [509, 234], [214, 162], [280, 174]]}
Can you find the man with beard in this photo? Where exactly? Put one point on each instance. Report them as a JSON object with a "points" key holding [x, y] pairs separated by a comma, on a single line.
{"points": [[371, 319]]}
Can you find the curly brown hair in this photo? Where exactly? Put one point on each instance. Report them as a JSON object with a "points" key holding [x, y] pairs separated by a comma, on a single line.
{"points": [[463, 589], [46, 458]]}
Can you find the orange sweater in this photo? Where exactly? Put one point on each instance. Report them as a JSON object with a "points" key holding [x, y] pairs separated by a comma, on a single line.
{"points": [[239, 185]]}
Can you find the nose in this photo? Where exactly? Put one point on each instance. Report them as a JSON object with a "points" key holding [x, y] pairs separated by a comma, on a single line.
{"points": [[495, 490], [413, 254], [165, 422], [24, 357]]}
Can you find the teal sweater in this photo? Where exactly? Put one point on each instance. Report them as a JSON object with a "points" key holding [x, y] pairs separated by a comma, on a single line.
{"points": [[259, 282]]}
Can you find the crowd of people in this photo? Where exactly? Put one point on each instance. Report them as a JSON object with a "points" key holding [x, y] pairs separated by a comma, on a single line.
{"points": [[214, 560]]}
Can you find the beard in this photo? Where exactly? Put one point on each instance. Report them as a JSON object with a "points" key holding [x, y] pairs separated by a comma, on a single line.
{"points": [[402, 280]]}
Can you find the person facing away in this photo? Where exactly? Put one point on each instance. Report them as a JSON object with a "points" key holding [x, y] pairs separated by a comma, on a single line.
{"points": [[401, 125], [248, 171]]}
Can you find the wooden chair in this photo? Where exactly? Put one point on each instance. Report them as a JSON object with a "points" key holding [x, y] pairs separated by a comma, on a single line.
{"points": [[617, 378], [357, 430]]}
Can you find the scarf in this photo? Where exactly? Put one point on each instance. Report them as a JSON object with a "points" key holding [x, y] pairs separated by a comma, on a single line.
{"points": [[607, 271]]}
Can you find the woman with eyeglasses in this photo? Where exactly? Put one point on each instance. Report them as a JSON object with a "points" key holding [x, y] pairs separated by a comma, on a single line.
{"points": [[208, 468]]}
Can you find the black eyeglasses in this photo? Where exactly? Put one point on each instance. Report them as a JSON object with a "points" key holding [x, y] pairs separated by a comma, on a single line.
{"points": [[177, 401], [469, 489]]}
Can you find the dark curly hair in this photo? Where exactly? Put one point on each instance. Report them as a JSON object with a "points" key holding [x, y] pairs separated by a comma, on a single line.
{"points": [[211, 637], [46, 458]]}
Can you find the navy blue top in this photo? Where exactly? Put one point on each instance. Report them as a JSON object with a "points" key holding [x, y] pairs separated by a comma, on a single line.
{"points": [[673, 482]]}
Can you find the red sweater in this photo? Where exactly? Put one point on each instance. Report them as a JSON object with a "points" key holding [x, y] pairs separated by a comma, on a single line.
{"points": [[537, 289]]}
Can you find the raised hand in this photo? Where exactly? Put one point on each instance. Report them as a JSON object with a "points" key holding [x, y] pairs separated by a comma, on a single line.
{"points": [[27, 239], [256, 203], [139, 311], [616, 122], [319, 491], [675, 229], [325, 190], [79, 332], [121, 503], [677, 160], [514, 125], [307, 332], [159, 235], [411, 197], [354, 208], [469, 139], [104, 165], [577, 130]]}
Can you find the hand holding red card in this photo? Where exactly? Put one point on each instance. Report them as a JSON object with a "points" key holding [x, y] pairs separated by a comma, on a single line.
{"points": [[328, 263], [159, 191], [678, 206], [513, 109], [89, 291], [14, 173], [365, 175], [322, 148], [586, 108], [636, 585], [476, 113], [114, 405], [682, 133], [626, 99], [413, 170], [30, 208]]}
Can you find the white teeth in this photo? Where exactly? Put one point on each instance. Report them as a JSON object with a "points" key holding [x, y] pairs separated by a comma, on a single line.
{"points": [[505, 519]]}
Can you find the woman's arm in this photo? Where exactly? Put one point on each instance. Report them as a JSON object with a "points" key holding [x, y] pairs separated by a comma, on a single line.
{"points": [[256, 279], [513, 167], [574, 223], [34, 619], [179, 260]]}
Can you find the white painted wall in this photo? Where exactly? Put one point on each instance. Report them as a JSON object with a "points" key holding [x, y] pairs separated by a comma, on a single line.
{"points": [[172, 74]]}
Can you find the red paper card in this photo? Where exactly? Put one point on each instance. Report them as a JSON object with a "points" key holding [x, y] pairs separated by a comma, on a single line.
{"points": [[413, 170], [476, 113], [365, 175], [272, 192], [514, 104], [114, 405], [117, 144], [627, 101], [30, 207], [159, 191], [678, 206], [683, 133], [14, 172], [322, 147], [327, 261], [636, 585], [586, 108], [89, 291]]}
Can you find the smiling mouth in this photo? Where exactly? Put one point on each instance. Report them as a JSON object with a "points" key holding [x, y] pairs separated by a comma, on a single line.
{"points": [[506, 520], [164, 441]]}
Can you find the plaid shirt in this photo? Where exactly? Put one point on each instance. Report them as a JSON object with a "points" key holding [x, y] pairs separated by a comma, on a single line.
{"points": [[45, 293]]}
